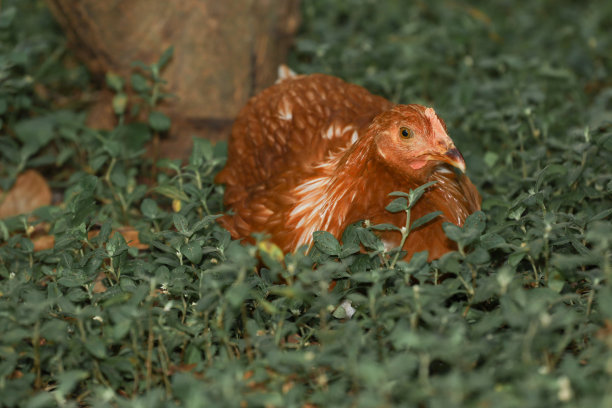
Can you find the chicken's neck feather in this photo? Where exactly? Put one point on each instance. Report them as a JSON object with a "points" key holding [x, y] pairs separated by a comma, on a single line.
{"points": [[354, 184], [344, 188]]}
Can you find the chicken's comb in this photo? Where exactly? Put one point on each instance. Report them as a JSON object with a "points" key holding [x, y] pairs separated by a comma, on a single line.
{"points": [[436, 124]]}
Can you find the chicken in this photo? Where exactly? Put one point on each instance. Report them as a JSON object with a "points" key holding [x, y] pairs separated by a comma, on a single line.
{"points": [[313, 153]]}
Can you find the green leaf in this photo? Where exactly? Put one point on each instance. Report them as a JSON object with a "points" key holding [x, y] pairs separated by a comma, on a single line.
{"points": [[97, 162], [556, 281], [112, 146], [202, 151], [181, 224], [77, 295], [116, 245], [602, 215], [114, 81], [36, 132], [204, 222], [492, 240], [515, 258], [119, 103], [193, 251], [133, 135], [27, 245], [41, 400], [237, 294], [165, 57], [54, 330], [88, 184], [397, 205], [472, 229], [326, 243], [424, 220], [7, 16], [490, 158], [417, 262], [516, 213], [370, 240], [478, 257], [172, 192], [385, 227], [349, 249], [4, 230], [399, 194], [118, 177], [139, 83], [474, 226], [349, 236], [416, 194], [73, 281], [452, 231], [548, 172], [105, 231], [340, 312], [450, 262], [149, 209], [96, 347], [68, 380], [158, 121], [84, 209]]}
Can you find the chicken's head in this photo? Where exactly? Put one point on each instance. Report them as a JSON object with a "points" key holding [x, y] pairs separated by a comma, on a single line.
{"points": [[412, 139]]}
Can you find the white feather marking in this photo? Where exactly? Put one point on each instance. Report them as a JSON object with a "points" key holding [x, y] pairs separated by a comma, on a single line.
{"points": [[284, 72], [308, 194], [444, 169], [312, 185], [317, 200], [337, 131], [284, 111], [388, 245], [382, 153], [354, 137]]}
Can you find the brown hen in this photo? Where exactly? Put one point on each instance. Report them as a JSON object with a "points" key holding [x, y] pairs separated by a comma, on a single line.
{"points": [[316, 153]]}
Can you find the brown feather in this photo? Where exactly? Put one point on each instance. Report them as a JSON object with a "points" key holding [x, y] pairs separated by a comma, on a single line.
{"points": [[316, 153]]}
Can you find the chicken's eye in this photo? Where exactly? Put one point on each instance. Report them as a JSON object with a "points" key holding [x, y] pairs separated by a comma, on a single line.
{"points": [[406, 133]]}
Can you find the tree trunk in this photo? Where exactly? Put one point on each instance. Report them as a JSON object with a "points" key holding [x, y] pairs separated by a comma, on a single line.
{"points": [[224, 52]]}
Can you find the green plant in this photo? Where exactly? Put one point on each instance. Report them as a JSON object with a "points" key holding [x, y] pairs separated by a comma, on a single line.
{"points": [[520, 315]]}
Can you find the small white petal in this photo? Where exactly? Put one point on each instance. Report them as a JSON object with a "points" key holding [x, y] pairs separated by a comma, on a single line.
{"points": [[348, 308]]}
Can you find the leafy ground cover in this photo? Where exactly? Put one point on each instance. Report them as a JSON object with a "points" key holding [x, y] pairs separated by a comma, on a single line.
{"points": [[520, 316]]}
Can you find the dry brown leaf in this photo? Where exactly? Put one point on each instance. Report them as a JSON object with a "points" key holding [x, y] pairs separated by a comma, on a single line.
{"points": [[131, 237], [181, 368], [29, 192], [43, 242], [99, 286]]}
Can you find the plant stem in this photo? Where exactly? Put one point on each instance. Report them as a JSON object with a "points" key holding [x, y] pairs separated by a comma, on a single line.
{"points": [[149, 362], [405, 234], [164, 359], [36, 344]]}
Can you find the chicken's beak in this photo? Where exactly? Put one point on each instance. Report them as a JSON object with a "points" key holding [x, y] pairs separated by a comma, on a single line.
{"points": [[454, 158], [451, 156]]}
